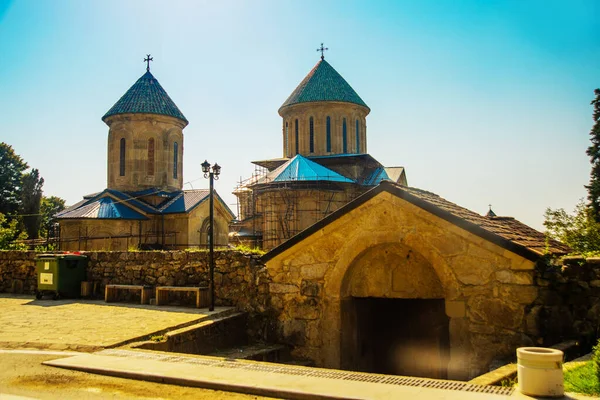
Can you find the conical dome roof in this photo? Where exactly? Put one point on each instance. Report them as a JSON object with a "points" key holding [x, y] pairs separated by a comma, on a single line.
{"points": [[323, 83], [146, 96]]}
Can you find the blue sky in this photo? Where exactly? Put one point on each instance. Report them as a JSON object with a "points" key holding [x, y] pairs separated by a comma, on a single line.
{"points": [[481, 101]]}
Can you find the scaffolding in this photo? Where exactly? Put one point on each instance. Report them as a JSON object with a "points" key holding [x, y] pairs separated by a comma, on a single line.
{"points": [[272, 211]]}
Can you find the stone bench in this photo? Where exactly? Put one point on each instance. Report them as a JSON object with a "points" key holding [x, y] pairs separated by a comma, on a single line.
{"points": [[110, 292], [162, 294]]}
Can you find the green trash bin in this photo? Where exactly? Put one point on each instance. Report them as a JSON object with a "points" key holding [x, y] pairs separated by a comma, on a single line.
{"points": [[60, 274]]}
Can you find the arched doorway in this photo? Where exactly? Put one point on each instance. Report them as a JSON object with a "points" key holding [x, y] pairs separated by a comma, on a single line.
{"points": [[393, 317]]}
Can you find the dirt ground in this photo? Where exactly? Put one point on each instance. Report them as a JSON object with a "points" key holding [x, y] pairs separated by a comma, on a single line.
{"points": [[23, 375]]}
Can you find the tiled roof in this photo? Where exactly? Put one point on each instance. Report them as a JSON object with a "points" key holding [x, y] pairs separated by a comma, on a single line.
{"points": [[323, 83], [146, 96], [300, 168], [103, 208], [506, 232], [505, 227]]}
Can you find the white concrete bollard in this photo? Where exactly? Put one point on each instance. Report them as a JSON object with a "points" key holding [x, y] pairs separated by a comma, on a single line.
{"points": [[539, 371]]}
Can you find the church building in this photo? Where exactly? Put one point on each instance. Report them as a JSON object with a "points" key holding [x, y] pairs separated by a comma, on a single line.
{"points": [[144, 205], [325, 163]]}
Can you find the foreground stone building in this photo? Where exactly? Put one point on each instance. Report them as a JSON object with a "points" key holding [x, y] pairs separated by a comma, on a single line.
{"points": [[325, 163], [402, 281], [143, 205]]}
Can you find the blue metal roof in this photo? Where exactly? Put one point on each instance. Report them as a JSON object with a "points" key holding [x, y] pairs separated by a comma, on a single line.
{"points": [[104, 208], [300, 168], [376, 177]]}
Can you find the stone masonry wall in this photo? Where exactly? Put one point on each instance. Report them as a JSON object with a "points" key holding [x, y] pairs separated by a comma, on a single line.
{"points": [[240, 280]]}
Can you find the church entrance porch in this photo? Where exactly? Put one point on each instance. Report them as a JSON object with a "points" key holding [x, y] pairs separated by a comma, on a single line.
{"points": [[395, 336]]}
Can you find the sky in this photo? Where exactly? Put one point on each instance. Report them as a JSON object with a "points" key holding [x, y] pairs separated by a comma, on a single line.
{"points": [[483, 102]]}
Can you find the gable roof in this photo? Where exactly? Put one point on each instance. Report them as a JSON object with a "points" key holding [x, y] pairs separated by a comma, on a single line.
{"points": [[505, 232], [102, 208], [323, 83], [146, 96]]}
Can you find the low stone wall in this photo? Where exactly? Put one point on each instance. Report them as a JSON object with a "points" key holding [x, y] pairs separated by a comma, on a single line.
{"points": [[240, 280], [568, 303]]}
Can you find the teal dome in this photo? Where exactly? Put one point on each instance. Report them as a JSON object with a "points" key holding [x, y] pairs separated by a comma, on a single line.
{"points": [[323, 83], [146, 96]]}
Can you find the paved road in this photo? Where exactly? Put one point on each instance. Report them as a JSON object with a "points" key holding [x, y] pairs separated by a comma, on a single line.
{"points": [[21, 374]]}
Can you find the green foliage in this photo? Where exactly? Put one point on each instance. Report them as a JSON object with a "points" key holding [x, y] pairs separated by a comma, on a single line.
{"points": [[582, 380], [596, 359], [31, 198], [578, 230], [594, 153], [249, 250], [9, 233], [49, 207], [12, 167]]}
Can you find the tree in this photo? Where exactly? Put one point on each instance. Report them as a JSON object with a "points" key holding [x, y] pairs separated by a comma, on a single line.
{"points": [[50, 206], [12, 167], [31, 198], [579, 230], [594, 152], [9, 233]]}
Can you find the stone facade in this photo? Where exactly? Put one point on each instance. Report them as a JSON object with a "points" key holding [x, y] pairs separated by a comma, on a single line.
{"points": [[353, 115], [389, 248], [152, 152]]}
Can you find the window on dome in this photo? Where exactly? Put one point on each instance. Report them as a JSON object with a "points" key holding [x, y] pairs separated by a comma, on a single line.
{"points": [[312, 135], [344, 137], [286, 145], [357, 138], [175, 159], [328, 134], [296, 128], [151, 156], [122, 157]]}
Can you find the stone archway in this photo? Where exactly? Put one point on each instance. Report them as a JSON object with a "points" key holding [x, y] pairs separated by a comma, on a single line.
{"points": [[393, 316]]}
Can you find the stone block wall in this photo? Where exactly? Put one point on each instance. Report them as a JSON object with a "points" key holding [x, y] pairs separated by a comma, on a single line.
{"points": [[568, 303], [240, 280]]}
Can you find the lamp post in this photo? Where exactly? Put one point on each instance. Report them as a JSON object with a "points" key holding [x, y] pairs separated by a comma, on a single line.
{"points": [[211, 174]]}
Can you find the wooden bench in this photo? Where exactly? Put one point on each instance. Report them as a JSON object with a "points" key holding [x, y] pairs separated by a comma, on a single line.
{"points": [[110, 292], [162, 294]]}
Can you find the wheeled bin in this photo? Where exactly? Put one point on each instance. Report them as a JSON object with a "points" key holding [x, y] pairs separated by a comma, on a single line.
{"points": [[60, 275]]}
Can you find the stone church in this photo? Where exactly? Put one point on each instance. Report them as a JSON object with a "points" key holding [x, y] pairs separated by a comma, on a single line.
{"points": [[144, 205], [325, 163]]}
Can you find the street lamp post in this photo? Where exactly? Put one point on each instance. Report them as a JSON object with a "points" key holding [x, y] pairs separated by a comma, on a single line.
{"points": [[211, 174]]}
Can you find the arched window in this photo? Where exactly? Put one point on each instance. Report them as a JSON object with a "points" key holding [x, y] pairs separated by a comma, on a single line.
{"points": [[328, 134], [311, 124], [287, 141], [296, 128], [344, 137], [122, 157], [151, 156], [357, 138], [175, 159]]}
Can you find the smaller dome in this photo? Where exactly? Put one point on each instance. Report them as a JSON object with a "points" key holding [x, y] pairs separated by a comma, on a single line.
{"points": [[146, 96], [323, 83]]}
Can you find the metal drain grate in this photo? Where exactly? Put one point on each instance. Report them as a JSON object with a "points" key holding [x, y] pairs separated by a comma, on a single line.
{"points": [[316, 372]]}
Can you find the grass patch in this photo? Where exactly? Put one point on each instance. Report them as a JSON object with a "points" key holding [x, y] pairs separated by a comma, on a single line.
{"points": [[583, 379]]}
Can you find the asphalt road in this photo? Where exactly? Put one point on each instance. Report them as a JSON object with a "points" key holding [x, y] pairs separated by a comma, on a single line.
{"points": [[23, 375]]}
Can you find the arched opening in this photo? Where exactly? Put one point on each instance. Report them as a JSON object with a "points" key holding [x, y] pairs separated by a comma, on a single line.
{"points": [[150, 165], [122, 157], [329, 134], [311, 141], [175, 159], [344, 137], [393, 318]]}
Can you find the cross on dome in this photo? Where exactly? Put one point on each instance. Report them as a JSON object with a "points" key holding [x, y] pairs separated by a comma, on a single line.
{"points": [[147, 60], [322, 50]]}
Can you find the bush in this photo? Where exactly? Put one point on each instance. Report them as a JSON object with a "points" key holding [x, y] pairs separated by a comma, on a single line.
{"points": [[596, 359]]}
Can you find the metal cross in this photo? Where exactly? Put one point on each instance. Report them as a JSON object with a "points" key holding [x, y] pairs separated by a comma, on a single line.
{"points": [[147, 60], [322, 50]]}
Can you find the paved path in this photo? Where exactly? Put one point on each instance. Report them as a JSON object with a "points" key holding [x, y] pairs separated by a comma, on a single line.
{"points": [[86, 325], [23, 377]]}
